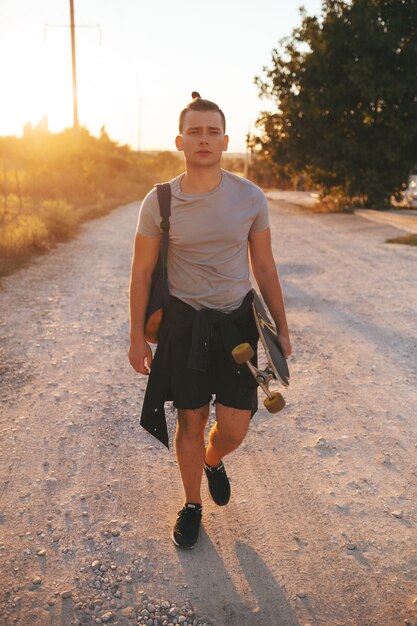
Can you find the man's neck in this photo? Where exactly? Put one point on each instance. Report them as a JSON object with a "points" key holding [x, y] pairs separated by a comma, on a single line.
{"points": [[201, 180]]}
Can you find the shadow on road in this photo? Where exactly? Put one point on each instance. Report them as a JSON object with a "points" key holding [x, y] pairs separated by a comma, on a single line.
{"points": [[217, 597]]}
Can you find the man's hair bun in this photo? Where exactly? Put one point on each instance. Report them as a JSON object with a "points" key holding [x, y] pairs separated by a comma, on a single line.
{"points": [[199, 104]]}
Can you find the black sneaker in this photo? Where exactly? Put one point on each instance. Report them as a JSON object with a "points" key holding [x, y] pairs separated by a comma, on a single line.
{"points": [[218, 483], [187, 526]]}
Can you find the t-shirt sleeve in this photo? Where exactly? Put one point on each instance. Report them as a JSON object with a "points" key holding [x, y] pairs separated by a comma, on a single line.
{"points": [[149, 217], [261, 211]]}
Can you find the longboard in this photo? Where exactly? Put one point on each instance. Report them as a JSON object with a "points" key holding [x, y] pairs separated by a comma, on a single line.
{"points": [[276, 368], [269, 340]]}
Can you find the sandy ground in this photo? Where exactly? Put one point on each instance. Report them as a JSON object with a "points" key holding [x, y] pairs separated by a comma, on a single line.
{"points": [[321, 527]]}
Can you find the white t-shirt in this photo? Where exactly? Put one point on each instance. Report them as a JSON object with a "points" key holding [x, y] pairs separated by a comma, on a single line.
{"points": [[208, 265]]}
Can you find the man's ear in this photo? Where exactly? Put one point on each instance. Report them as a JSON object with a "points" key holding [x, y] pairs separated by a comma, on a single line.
{"points": [[226, 142], [178, 142]]}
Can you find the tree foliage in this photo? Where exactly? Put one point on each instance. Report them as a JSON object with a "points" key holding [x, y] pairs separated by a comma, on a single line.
{"points": [[345, 86]]}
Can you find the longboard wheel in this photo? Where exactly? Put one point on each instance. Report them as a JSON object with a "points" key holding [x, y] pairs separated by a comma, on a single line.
{"points": [[242, 353], [274, 404]]}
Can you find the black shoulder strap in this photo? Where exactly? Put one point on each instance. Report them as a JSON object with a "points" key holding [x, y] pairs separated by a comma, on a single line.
{"points": [[164, 198]]}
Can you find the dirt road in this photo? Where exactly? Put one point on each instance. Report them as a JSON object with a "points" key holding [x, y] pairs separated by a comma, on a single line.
{"points": [[321, 528]]}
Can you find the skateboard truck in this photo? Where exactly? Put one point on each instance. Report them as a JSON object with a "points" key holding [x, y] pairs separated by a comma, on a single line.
{"points": [[274, 401]]}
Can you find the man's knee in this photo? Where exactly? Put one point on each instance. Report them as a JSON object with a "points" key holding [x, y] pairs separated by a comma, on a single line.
{"points": [[232, 425], [230, 437], [192, 422]]}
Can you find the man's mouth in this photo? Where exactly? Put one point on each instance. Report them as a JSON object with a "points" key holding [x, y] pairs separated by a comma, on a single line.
{"points": [[204, 152]]}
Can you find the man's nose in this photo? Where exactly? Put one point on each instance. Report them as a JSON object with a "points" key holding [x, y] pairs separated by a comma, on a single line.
{"points": [[203, 138]]}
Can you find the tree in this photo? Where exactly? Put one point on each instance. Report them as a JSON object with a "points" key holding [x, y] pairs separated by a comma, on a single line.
{"points": [[345, 86]]}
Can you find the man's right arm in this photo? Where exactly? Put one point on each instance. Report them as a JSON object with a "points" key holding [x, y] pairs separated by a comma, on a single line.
{"points": [[145, 256]]}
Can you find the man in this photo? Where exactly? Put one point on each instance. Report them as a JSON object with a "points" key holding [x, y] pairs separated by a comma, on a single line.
{"points": [[216, 219]]}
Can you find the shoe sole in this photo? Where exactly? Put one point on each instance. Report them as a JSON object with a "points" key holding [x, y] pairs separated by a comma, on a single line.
{"points": [[183, 547], [218, 503]]}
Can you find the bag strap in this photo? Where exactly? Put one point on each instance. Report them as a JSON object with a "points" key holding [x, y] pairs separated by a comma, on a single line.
{"points": [[163, 191]]}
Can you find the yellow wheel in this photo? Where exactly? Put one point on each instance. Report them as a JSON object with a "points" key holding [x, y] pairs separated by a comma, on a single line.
{"points": [[242, 353], [275, 404]]}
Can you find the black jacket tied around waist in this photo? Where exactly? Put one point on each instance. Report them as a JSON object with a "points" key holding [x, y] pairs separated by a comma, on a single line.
{"points": [[181, 316]]}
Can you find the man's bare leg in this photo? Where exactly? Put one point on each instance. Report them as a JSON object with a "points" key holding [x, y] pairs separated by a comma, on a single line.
{"points": [[227, 433], [189, 447]]}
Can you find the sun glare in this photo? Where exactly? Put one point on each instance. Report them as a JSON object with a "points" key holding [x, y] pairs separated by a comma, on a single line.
{"points": [[55, 98], [42, 82], [132, 79]]}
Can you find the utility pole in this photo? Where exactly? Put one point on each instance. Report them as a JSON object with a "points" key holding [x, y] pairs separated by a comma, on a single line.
{"points": [[74, 69], [72, 26], [140, 126]]}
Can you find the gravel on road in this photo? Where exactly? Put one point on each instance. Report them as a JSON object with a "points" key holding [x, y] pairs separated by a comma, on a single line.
{"points": [[321, 527]]}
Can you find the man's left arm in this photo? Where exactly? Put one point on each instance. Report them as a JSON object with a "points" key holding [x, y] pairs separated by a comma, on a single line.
{"points": [[266, 275]]}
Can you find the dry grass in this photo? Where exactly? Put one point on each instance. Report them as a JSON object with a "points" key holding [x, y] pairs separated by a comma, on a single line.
{"points": [[27, 230], [409, 240], [50, 184], [34, 230]]}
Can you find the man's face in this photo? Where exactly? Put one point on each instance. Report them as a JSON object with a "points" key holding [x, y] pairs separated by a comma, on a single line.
{"points": [[203, 140]]}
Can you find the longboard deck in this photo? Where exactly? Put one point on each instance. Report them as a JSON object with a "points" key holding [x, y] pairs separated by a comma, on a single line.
{"points": [[269, 339]]}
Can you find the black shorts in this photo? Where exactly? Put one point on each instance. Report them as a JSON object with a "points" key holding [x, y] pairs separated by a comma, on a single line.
{"points": [[232, 385]]}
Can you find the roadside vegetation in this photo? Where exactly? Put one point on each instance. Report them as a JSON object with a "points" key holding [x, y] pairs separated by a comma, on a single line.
{"points": [[343, 94], [409, 240], [51, 183]]}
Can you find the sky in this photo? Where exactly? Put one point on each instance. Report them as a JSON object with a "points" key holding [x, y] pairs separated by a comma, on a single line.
{"points": [[138, 62]]}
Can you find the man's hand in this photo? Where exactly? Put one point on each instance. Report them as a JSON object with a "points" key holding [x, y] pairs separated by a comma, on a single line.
{"points": [[285, 343], [145, 255], [140, 356]]}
